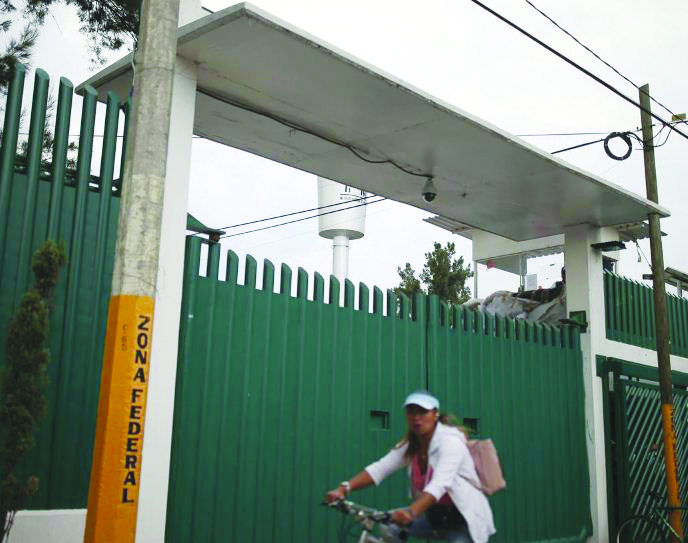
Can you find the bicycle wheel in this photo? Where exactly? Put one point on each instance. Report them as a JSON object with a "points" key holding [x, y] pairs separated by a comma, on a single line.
{"points": [[640, 530]]}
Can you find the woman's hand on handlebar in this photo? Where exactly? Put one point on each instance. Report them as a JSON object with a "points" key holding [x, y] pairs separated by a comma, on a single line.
{"points": [[402, 517], [335, 495]]}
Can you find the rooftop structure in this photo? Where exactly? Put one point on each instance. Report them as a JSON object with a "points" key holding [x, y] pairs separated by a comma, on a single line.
{"points": [[260, 88]]}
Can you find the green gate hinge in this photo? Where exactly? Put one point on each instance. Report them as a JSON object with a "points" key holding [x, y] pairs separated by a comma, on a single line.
{"points": [[577, 318]]}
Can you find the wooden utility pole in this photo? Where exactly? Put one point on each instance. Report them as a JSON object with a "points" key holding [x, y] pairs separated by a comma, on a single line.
{"points": [[115, 474], [661, 319]]}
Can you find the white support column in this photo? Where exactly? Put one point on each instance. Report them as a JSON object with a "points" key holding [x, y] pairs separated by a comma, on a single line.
{"points": [[585, 292], [475, 279], [155, 467], [340, 258]]}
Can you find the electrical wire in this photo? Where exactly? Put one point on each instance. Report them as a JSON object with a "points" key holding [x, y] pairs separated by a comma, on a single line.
{"points": [[290, 214], [301, 219], [562, 134], [289, 124], [577, 66], [577, 146], [628, 133], [251, 247], [643, 253], [594, 54]]}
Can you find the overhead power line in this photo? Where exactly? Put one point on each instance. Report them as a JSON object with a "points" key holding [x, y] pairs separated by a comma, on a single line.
{"points": [[577, 146], [578, 67], [562, 134], [293, 213], [301, 219], [593, 53], [623, 135]]}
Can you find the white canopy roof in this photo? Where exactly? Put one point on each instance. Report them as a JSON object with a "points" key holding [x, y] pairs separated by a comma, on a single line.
{"points": [[271, 89]]}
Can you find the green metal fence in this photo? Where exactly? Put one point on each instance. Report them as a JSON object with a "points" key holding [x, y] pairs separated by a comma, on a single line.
{"points": [[633, 435], [630, 318], [281, 397], [521, 384], [41, 198]]}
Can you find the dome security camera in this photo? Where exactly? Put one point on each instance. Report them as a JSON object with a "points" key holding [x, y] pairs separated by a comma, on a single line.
{"points": [[429, 191]]}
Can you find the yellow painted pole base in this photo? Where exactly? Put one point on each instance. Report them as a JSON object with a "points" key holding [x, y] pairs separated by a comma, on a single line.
{"points": [[669, 431], [114, 487]]}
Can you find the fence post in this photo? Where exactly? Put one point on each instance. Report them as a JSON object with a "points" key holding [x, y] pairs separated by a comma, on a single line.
{"points": [[8, 151]]}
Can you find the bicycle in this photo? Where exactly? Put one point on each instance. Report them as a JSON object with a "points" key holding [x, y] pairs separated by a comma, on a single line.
{"points": [[368, 518], [652, 528]]}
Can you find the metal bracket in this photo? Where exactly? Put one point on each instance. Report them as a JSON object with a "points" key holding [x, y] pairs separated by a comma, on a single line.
{"points": [[577, 318]]}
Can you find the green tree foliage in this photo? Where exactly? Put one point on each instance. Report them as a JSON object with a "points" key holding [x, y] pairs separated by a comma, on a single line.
{"points": [[409, 284], [108, 24], [442, 274], [23, 380]]}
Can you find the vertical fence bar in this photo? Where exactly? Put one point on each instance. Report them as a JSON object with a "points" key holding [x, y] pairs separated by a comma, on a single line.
{"points": [[684, 319], [363, 298], [8, 151], [608, 324], [318, 287], [98, 309], [644, 328], [69, 375], [618, 308], [232, 271], [349, 294], [285, 280], [268, 276], [378, 301], [59, 157], [128, 105], [638, 309], [33, 170], [302, 284], [333, 297]]}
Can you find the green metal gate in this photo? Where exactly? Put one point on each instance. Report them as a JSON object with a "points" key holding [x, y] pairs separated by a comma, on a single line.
{"points": [[635, 449], [279, 397]]}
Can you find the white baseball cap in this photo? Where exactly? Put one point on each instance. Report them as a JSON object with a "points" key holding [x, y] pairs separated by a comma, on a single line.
{"points": [[422, 398]]}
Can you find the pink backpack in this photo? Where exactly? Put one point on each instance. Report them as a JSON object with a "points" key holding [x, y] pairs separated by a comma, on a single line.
{"points": [[487, 465]]}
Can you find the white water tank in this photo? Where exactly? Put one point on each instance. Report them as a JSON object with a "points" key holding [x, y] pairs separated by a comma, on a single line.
{"points": [[341, 219], [345, 222]]}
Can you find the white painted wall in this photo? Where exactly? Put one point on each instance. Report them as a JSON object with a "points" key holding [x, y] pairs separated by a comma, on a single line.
{"points": [[57, 526], [150, 527], [585, 292]]}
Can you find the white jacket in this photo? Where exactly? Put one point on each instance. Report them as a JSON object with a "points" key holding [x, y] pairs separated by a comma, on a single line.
{"points": [[452, 468]]}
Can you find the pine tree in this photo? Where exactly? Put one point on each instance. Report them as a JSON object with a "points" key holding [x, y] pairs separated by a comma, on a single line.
{"points": [[23, 380], [442, 274]]}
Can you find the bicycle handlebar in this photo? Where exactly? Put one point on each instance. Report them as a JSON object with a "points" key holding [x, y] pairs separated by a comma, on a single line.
{"points": [[360, 512]]}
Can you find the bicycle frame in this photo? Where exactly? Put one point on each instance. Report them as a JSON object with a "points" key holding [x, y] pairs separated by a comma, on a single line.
{"points": [[663, 521], [657, 518]]}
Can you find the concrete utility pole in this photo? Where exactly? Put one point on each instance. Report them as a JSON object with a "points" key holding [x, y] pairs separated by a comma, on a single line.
{"points": [[114, 487], [661, 319]]}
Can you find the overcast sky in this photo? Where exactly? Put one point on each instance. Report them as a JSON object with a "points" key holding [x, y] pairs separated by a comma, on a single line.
{"points": [[461, 54]]}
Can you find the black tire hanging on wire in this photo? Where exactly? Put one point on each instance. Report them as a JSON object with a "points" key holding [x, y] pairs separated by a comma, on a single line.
{"points": [[641, 530], [627, 140]]}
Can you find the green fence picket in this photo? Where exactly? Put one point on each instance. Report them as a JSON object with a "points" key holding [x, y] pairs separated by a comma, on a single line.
{"points": [[59, 157], [629, 315], [8, 150]]}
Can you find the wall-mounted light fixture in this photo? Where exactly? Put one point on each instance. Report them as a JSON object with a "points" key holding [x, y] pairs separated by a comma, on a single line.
{"points": [[607, 246]]}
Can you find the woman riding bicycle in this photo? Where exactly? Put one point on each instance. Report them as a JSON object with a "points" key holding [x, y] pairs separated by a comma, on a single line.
{"points": [[448, 504]]}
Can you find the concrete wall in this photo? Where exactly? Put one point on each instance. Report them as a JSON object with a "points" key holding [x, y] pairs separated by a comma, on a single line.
{"points": [[58, 526]]}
